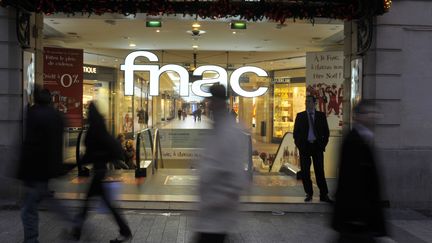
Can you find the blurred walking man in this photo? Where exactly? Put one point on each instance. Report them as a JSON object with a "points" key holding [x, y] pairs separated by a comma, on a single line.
{"points": [[222, 175], [358, 214], [42, 159]]}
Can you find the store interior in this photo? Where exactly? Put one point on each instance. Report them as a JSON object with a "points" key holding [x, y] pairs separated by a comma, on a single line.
{"points": [[278, 48]]}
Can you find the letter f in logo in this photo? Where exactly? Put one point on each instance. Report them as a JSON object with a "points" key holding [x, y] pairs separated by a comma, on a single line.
{"points": [[129, 67]]}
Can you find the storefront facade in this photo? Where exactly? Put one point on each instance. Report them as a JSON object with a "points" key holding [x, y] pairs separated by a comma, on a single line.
{"points": [[382, 78]]}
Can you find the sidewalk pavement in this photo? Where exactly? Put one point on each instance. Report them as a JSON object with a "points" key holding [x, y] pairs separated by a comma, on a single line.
{"points": [[405, 226]]}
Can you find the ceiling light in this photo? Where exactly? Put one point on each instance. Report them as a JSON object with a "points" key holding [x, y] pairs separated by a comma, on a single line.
{"points": [[154, 23], [132, 45], [157, 31], [196, 25], [195, 46], [238, 25], [234, 32]]}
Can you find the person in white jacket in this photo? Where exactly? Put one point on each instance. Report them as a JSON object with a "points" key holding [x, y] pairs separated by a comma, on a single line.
{"points": [[222, 174]]}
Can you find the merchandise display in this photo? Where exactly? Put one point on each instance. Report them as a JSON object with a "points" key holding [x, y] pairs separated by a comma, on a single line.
{"points": [[288, 100]]}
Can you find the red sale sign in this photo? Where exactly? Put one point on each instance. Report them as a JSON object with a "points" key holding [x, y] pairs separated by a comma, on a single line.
{"points": [[63, 76]]}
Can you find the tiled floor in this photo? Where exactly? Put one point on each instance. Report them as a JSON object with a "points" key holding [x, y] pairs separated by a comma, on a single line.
{"points": [[178, 226]]}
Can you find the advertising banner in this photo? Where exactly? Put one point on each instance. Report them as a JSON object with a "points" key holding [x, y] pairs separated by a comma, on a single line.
{"points": [[63, 76], [324, 80]]}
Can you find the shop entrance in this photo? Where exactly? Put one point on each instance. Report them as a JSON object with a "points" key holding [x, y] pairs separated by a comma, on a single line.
{"points": [[299, 58]]}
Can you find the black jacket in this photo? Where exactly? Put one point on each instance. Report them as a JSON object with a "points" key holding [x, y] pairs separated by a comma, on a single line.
{"points": [[101, 147], [301, 129], [42, 150], [358, 207]]}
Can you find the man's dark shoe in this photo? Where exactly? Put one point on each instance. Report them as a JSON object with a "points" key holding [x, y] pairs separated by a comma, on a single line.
{"points": [[325, 199], [124, 237], [76, 233], [308, 198]]}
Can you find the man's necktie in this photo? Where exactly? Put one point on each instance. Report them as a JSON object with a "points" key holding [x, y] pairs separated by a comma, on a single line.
{"points": [[311, 133]]}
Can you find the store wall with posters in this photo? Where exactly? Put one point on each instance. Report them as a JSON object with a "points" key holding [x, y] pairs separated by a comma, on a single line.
{"points": [[63, 76], [324, 80]]}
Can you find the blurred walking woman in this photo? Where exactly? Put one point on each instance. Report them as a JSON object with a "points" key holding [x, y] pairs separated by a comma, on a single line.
{"points": [[101, 147]]}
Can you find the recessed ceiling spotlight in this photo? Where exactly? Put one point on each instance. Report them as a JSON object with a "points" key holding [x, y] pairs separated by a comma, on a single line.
{"points": [[132, 45], [157, 31], [196, 25], [234, 32], [196, 32], [116, 60], [195, 46]]}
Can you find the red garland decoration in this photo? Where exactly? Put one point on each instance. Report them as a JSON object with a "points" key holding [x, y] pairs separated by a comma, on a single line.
{"points": [[251, 11]]}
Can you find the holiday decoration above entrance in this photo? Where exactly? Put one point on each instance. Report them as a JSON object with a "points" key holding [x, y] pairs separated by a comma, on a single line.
{"points": [[247, 10]]}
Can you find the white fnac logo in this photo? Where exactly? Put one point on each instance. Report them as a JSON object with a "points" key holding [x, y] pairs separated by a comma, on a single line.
{"points": [[129, 67]]}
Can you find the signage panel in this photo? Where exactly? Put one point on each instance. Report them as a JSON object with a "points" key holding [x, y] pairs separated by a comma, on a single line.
{"points": [[324, 80], [63, 76], [155, 71]]}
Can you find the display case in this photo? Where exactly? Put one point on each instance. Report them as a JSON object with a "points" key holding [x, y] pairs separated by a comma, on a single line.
{"points": [[288, 100], [282, 110]]}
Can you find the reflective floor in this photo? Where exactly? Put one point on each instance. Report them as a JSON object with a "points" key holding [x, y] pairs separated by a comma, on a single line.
{"points": [[180, 185]]}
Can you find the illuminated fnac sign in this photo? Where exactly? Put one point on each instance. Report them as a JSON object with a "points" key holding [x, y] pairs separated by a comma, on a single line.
{"points": [[155, 71]]}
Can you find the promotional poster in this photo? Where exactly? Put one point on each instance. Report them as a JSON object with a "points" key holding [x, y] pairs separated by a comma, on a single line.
{"points": [[63, 76]]}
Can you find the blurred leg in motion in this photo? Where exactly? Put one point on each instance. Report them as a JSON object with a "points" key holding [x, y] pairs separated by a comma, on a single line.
{"points": [[29, 212], [210, 238]]}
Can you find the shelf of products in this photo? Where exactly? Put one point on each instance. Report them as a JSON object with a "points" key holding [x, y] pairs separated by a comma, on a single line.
{"points": [[288, 100]]}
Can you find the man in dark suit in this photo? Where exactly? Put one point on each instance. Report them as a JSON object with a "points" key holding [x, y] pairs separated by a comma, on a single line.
{"points": [[311, 135]]}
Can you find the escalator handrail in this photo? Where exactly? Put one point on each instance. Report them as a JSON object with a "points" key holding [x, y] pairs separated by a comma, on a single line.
{"points": [[78, 148], [138, 146], [249, 156], [278, 150], [157, 148]]}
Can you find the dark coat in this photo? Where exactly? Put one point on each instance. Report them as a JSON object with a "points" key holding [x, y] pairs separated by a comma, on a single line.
{"points": [[101, 147], [301, 129], [358, 207], [42, 150]]}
